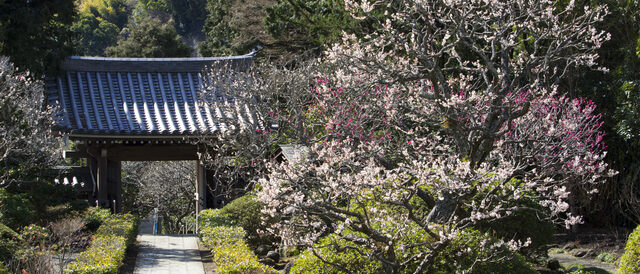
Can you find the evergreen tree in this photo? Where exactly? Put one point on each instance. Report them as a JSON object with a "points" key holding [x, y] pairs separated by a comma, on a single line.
{"points": [[150, 38]]}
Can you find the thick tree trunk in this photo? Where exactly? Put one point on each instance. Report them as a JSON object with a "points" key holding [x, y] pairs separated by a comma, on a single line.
{"points": [[443, 210]]}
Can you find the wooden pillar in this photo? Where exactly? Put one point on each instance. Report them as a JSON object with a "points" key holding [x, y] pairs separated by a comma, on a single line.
{"points": [[114, 178], [201, 186], [102, 178]]}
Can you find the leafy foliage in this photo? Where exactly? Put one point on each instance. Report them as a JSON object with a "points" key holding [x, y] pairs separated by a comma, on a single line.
{"points": [[112, 11], [16, 210], [35, 35], [104, 255], [318, 22], [150, 38], [246, 212], [213, 218], [98, 24], [234, 27], [95, 216], [331, 255], [469, 252], [189, 15], [10, 242], [630, 260], [218, 30]]}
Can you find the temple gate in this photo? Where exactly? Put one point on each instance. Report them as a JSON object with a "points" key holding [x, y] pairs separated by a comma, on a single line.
{"points": [[138, 109]]}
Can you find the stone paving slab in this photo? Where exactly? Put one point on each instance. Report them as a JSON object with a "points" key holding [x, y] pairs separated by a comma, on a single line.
{"points": [[167, 253]]}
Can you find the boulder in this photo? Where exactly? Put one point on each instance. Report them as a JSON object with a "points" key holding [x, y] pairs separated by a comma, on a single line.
{"points": [[275, 256], [580, 252]]}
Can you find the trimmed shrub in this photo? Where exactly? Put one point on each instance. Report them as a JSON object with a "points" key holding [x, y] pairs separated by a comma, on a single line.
{"points": [[125, 226], [95, 216], [630, 260], [222, 235], [106, 251], [212, 218], [238, 258]]}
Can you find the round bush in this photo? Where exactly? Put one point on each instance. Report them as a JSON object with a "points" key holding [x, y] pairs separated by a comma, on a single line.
{"points": [[247, 213], [630, 260]]}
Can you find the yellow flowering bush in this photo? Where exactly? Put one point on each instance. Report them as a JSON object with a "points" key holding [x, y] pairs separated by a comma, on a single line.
{"points": [[107, 249], [105, 255], [230, 251], [125, 225]]}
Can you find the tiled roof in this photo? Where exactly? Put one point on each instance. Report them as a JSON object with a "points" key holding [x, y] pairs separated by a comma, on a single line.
{"points": [[141, 97]]}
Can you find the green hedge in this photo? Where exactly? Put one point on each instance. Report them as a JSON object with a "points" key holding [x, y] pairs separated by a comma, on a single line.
{"points": [[230, 252], [107, 249], [95, 216], [630, 260]]}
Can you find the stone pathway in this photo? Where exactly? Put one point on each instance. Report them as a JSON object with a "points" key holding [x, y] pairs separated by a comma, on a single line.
{"points": [[167, 253]]}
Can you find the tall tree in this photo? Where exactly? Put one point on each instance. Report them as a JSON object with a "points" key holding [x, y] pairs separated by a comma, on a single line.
{"points": [[189, 15], [35, 34], [150, 38], [315, 23], [95, 34], [234, 27]]}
